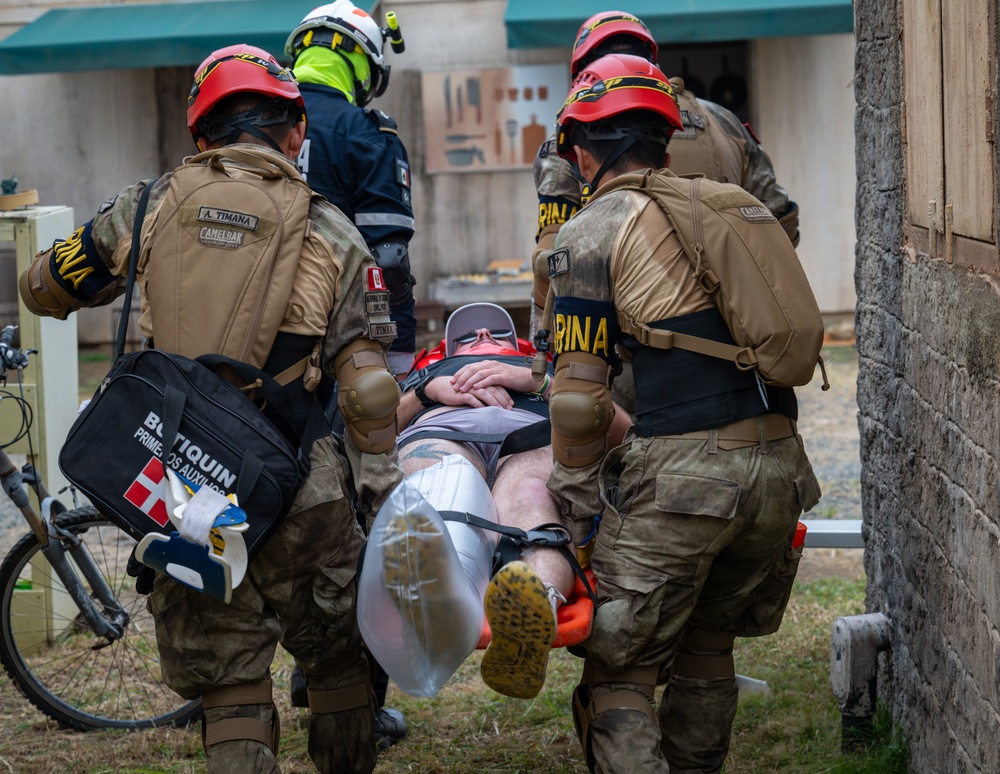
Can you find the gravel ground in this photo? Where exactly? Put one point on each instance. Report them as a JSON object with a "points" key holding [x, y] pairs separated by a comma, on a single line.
{"points": [[828, 423]]}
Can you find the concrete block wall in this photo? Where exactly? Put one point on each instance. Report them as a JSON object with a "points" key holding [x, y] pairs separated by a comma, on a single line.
{"points": [[928, 391]]}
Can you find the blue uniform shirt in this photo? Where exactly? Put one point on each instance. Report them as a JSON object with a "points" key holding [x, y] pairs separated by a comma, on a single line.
{"points": [[354, 158]]}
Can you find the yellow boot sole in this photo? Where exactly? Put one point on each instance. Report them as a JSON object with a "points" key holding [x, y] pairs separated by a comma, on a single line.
{"points": [[523, 629]]}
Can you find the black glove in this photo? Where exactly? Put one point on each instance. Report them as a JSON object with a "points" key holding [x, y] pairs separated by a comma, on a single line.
{"points": [[143, 575]]}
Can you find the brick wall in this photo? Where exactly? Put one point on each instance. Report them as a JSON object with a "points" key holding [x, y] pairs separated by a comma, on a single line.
{"points": [[929, 399]]}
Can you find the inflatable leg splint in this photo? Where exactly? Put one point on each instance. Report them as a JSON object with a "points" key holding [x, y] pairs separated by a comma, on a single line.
{"points": [[421, 587]]}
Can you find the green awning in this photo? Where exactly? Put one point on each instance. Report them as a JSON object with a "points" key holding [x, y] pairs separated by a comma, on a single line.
{"points": [[533, 24], [153, 35]]}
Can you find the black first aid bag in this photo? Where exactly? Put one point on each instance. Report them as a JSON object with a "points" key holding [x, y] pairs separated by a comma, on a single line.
{"points": [[156, 410]]}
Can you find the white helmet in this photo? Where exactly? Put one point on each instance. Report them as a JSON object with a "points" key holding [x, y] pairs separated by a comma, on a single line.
{"points": [[357, 32]]}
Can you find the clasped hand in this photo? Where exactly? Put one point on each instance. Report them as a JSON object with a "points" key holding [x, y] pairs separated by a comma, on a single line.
{"points": [[485, 383]]}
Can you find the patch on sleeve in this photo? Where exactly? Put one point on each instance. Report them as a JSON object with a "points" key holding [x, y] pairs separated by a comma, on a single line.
{"points": [[559, 262], [108, 204], [377, 303], [555, 210], [403, 174], [586, 325], [548, 148], [375, 279], [382, 331], [77, 264], [380, 327], [692, 123]]}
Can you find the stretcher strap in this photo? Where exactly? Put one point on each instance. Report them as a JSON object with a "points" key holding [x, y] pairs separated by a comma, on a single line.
{"points": [[545, 536]]}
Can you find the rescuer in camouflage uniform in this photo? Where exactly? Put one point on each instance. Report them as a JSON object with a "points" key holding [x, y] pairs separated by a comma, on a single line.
{"points": [[198, 240], [712, 142], [700, 507]]}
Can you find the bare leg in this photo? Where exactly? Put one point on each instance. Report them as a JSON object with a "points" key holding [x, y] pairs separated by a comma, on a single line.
{"points": [[523, 501], [430, 451]]}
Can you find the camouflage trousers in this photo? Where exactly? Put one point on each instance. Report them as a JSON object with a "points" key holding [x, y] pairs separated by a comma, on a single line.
{"points": [[695, 548], [300, 590]]}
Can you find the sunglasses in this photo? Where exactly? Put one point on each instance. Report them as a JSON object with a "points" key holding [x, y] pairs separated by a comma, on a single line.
{"points": [[471, 336]]}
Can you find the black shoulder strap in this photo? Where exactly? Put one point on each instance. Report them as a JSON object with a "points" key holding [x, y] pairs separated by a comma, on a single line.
{"points": [[133, 260]]}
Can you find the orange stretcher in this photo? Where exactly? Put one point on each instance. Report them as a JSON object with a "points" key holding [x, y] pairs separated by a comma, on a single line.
{"points": [[574, 618], [577, 615]]}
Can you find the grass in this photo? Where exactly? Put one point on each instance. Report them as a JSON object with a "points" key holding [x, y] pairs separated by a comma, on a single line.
{"points": [[839, 354], [94, 365], [468, 728]]}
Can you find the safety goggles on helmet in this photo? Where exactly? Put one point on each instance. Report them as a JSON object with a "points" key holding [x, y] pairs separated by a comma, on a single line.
{"points": [[602, 31]]}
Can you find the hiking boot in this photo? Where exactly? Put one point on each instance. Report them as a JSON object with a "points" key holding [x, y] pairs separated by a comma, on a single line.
{"points": [[390, 727], [521, 613]]}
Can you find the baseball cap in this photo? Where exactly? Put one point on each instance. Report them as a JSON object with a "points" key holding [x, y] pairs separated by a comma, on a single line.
{"points": [[472, 317]]}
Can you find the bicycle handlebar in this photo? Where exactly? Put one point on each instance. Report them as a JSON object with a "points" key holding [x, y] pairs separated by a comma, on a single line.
{"points": [[10, 356]]}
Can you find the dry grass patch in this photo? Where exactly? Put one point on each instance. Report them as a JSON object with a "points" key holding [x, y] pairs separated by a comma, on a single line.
{"points": [[469, 729]]}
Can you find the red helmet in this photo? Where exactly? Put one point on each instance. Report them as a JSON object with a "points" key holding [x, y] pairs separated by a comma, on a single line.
{"points": [[599, 28], [616, 84], [234, 69]]}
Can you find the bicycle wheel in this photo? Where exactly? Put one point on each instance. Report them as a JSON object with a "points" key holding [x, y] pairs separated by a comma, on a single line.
{"points": [[55, 660]]}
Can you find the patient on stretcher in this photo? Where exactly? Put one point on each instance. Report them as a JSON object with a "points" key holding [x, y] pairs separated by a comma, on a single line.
{"points": [[476, 451]]}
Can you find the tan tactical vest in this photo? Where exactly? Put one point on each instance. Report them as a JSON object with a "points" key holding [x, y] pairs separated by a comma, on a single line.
{"points": [[221, 252], [703, 147]]}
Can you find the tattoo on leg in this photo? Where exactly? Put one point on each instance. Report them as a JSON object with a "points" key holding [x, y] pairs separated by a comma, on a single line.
{"points": [[426, 451]]}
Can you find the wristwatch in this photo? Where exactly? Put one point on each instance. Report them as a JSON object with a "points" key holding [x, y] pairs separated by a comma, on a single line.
{"points": [[422, 396]]}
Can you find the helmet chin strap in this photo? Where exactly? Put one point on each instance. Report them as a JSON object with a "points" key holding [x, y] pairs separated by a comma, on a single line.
{"points": [[616, 154], [250, 128], [360, 92], [231, 127], [632, 137]]}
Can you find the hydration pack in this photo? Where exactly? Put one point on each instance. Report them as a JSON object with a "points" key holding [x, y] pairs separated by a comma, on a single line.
{"points": [[743, 259]]}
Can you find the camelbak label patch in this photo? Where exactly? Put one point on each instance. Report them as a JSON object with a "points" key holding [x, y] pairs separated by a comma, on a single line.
{"points": [[756, 214], [221, 237], [229, 217]]}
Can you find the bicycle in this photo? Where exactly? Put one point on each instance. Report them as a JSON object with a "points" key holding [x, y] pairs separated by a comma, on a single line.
{"points": [[75, 636]]}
